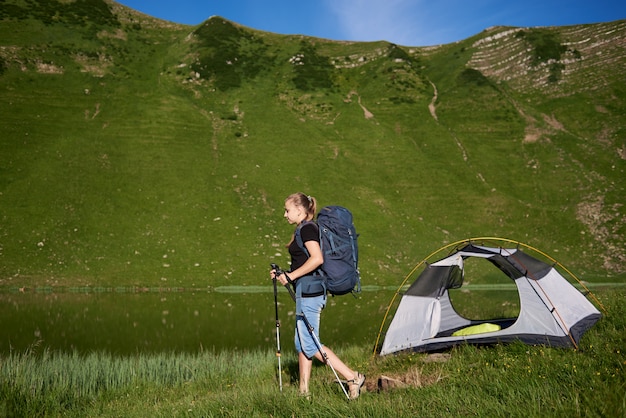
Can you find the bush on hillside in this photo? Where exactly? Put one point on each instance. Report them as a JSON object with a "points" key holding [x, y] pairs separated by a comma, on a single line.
{"points": [[312, 71], [229, 55], [546, 45]]}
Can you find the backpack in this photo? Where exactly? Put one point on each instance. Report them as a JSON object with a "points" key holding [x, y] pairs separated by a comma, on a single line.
{"points": [[338, 242]]}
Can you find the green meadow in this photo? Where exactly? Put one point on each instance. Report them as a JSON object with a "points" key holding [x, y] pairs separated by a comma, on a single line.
{"points": [[140, 154], [136, 152]]}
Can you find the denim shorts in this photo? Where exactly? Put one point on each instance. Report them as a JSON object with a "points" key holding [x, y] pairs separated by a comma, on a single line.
{"points": [[311, 308]]}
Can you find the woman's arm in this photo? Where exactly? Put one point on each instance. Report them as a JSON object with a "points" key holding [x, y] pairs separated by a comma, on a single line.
{"points": [[312, 263]]}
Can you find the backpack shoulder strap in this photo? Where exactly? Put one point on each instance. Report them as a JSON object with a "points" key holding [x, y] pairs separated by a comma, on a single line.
{"points": [[299, 236]]}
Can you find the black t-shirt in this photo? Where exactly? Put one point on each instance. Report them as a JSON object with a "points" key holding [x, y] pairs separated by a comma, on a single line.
{"points": [[308, 232]]}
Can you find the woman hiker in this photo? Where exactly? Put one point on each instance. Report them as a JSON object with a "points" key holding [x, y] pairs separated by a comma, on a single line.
{"points": [[310, 294]]}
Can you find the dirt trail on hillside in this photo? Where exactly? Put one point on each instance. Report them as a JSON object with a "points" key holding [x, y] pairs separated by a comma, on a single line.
{"points": [[433, 113], [431, 106], [366, 113]]}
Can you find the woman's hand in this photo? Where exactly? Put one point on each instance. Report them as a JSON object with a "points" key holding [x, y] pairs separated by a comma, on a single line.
{"points": [[282, 277]]}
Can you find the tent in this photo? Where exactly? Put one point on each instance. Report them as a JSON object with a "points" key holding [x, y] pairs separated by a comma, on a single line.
{"points": [[551, 310]]}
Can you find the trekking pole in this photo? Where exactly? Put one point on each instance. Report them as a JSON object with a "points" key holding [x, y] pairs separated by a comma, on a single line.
{"points": [[323, 353], [280, 370], [278, 272]]}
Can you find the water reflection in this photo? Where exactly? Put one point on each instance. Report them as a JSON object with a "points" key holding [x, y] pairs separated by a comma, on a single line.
{"points": [[126, 322]]}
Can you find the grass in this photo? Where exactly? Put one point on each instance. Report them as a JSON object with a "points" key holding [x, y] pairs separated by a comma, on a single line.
{"points": [[127, 169], [501, 380]]}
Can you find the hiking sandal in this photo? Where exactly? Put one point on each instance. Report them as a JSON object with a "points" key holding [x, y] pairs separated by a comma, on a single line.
{"points": [[354, 385]]}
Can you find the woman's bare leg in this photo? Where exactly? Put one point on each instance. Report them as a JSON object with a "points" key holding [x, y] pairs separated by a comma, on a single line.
{"points": [[339, 366], [304, 365]]}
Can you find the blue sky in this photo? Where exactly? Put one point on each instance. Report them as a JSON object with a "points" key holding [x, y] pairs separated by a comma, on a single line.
{"points": [[404, 22]]}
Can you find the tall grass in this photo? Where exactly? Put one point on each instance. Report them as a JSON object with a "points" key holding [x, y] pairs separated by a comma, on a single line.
{"points": [[54, 382], [501, 380]]}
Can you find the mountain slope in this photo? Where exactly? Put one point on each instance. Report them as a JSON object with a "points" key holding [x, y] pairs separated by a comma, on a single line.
{"points": [[139, 152]]}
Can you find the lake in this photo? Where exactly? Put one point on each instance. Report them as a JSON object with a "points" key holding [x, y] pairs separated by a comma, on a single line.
{"points": [[126, 321], [148, 320]]}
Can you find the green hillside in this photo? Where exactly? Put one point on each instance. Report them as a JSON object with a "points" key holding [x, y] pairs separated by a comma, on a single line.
{"points": [[138, 152]]}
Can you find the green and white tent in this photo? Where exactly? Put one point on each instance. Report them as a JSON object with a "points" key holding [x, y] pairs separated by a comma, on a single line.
{"points": [[551, 310]]}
